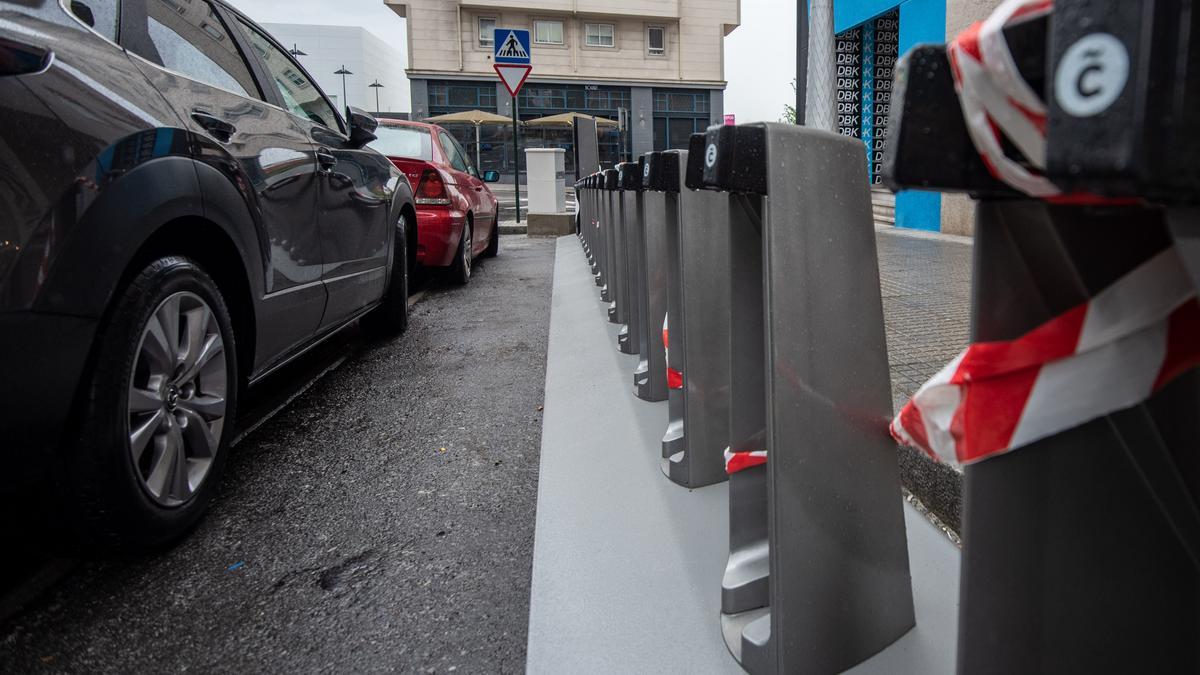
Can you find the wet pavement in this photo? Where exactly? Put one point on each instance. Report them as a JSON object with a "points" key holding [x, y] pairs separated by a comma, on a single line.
{"points": [[926, 284], [383, 520]]}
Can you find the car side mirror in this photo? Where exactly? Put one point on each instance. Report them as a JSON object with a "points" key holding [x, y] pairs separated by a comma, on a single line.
{"points": [[362, 126], [491, 176]]}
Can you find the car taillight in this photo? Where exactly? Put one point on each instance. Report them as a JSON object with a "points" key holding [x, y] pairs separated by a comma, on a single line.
{"points": [[431, 190]]}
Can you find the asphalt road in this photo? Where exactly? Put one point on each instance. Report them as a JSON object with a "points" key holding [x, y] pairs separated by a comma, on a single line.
{"points": [[383, 520]]}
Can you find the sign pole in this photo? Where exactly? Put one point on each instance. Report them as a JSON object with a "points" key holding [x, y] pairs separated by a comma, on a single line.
{"points": [[512, 63], [517, 160]]}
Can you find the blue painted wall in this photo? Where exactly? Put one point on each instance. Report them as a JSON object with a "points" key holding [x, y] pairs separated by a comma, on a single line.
{"points": [[920, 21]]}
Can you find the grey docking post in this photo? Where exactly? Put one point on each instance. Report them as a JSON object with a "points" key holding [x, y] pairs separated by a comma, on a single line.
{"points": [[629, 182], [698, 425], [1082, 550], [839, 584], [650, 376], [609, 223]]}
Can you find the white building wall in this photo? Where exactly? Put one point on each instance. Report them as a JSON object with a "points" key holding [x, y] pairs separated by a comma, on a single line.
{"points": [[444, 38], [369, 57], [958, 211]]}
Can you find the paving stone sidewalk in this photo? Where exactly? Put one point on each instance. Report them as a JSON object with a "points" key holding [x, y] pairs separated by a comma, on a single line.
{"points": [[926, 282]]}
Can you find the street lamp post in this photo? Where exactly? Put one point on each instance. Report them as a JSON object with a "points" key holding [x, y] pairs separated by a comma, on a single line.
{"points": [[376, 86], [801, 60], [344, 72]]}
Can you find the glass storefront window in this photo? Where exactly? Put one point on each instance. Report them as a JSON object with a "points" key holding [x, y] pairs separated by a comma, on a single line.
{"points": [[464, 96], [679, 113], [682, 101], [535, 100]]}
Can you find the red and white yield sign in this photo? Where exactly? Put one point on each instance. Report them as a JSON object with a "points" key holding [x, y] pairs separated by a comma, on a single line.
{"points": [[511, 56]]}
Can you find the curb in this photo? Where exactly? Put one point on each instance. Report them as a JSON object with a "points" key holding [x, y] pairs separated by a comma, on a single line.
{"points": [[924, 234]]}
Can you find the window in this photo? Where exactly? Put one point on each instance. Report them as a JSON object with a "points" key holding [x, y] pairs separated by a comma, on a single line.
{"points": [[681, 101], [403, 141], [678, 113], [454, 96], [487, 31], [680, 133], [101, 15], [656, 40], [453, 155], [600, 35], [195, 52], [463, 96], [300, 95], [548, 32], [598, 100], [466, 158]]}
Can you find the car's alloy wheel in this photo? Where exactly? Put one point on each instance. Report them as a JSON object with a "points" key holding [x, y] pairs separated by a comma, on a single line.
{"points": [[155, 418], [460, 269], [177, 395], [467, 245]]}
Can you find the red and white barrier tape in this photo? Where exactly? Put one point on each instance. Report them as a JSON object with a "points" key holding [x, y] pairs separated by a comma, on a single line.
{"points": [[1103, 356], [749, 456], [674, 377], [995, 98], [740, 461]]}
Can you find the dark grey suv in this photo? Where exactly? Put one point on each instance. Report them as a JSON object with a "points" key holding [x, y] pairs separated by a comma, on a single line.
{"points": [[182, 211]]}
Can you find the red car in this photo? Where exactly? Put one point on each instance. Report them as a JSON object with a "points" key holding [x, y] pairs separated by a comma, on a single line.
{"points": [[457, 215]]}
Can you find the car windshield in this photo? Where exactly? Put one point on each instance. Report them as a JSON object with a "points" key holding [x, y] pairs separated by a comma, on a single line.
{"points": [[397, 141]]}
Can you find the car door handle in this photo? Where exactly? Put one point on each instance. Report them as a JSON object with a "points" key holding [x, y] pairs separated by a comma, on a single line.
{"points": [[326, 160], [219, 128]]}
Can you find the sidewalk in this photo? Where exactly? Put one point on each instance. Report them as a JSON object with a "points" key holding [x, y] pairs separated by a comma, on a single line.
{"points": [[926, 282], [627, 566]]}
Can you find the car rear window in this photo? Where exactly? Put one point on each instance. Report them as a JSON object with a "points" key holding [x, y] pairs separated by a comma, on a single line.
{"points": [[411, 142]]}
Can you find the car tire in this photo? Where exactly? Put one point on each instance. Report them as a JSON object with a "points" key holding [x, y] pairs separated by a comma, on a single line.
{"points": [[460, 269], [391, 316], [155, 421], [493, 246]]}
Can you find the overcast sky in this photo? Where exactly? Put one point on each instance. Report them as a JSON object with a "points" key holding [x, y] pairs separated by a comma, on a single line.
{"points": [[760, 56]]}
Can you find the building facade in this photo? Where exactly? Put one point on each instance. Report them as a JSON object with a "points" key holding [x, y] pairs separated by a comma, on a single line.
{"points": [[662, 61], [327, 49], [870, 35]]}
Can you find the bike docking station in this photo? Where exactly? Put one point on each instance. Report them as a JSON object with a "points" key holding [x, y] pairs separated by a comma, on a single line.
{"points": [[745, 587], [663, 183], [587, 220], [695, 326], [629, 196], [583, 219], [818, 574], [650, 376], [1074, 410], [609, 226], [598, 240]]}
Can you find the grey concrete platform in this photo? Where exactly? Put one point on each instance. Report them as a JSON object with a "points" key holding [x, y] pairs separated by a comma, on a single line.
{"points": [[627, 566]]}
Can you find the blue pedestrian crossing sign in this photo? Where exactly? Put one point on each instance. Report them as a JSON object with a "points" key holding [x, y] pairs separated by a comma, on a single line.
{"points": [[511, 45]]}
